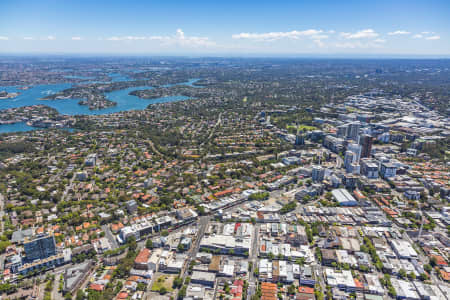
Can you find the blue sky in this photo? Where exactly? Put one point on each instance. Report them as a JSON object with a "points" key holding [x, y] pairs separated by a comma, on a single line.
{"points": [[333, 27]]}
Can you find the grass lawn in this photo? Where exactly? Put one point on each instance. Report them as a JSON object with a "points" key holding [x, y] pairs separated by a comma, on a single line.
{"points": [[163, 281], [302, 127]]}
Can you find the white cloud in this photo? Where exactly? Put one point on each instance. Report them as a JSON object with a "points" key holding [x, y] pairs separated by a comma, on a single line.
{"points": [[76, 38], [272, 36], [28, 38], [428, 35], [127, 38], [4, 38], [179, 38], [399, 32], [319, 37], [319, 43], [192, 41], [380, 41], [360, 45], [49, 38], [365, 33]]}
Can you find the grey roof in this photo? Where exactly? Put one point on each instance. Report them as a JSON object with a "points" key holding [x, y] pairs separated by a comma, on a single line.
{"points": [[19, 235]]}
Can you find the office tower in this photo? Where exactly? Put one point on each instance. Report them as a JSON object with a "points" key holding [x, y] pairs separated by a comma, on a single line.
{"points": [[299, 139], [348, 160], [365, 141], [353, 130], [342, 131], [318, 173], [388, 170], [39, 248], [369, 168], [356, 149]]}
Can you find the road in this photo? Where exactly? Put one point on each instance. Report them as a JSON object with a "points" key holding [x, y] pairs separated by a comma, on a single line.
{"points": [[2, 225], [219, 120], [2, 212], [253, 258], [108, 234], [422, 257], [192, 253], [154, 148], [55, 294], [68, 187]]}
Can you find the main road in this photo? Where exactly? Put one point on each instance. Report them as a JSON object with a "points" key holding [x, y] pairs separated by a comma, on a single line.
{"points": [[253, 259]]}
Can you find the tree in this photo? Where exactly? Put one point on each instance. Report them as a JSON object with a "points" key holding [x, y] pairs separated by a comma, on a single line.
{"points": [[141, 286], [288, 207], [182, 293], [177, 282], [423, 277], [433, 261], [291, 289], [131, 242], [411, 276], [149, 244], [300, 261], [80, 295], [402, 273], [226, 287]]}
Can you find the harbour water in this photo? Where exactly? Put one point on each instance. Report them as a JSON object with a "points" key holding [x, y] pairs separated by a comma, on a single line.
{"points": [[33, 95]]}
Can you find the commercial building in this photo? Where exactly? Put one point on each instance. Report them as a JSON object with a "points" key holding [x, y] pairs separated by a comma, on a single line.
{"points": [[365, 141], [344, 198], [75, 275], [226, 244], [348, 161], [142, 260], [203, 278], [356, 149], [369, 168], [404, 289], [131, 206], [341, 279], [403, 249], [318, 173], [388, 170], [38, 248]]}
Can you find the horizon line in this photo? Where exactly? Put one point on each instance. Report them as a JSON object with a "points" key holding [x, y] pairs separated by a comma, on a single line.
{"points": [[230, 55]]}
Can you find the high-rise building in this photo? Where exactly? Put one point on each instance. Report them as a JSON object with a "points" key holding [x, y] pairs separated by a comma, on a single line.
{"points": [[353, 130], [318, 173], [342, 131], [348, 160], [356, 149], [365, 141], [39, 248], [299, 139], [369, 168], [356, 168], [388, 170]]}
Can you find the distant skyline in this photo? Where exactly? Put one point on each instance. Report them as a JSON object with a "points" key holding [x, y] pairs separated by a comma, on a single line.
{"points": [[237, 28]]}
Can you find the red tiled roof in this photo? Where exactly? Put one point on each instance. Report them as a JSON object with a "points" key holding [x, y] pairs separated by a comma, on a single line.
{"points": [[142, 256], [306, 290], [97, 287]]}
